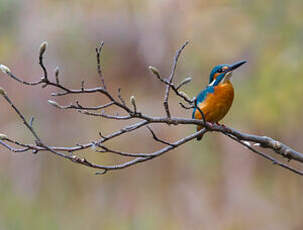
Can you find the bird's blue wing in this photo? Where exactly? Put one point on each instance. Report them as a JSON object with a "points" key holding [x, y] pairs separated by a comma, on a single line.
{"points": [[202, 95]]}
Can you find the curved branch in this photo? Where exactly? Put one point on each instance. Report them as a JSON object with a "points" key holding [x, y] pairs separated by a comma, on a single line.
{"points": [[145, 120], [170, 78]]}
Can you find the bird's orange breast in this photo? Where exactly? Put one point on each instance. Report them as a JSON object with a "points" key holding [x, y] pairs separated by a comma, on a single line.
{"points": [[217, 104]]}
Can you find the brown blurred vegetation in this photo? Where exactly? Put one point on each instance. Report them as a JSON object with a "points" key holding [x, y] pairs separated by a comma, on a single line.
{"points": [[214, 184]]}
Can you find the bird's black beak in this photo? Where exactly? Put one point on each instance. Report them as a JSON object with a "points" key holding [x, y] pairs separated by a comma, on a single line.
{"points": [[235, 65]]}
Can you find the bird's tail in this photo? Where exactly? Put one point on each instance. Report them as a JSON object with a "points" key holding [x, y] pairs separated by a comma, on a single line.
{"points": [[201, 135]]}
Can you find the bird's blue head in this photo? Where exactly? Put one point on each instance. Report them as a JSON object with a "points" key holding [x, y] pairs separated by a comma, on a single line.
{"points": [[220, 71]]}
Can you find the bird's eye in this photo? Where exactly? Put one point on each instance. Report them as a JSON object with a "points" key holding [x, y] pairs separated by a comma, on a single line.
{"points": [[219, 71]]}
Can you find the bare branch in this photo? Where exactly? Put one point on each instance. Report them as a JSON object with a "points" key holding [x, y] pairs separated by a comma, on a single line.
{"points": [[57, 75], [24, 82], [142, 119], [186, 107], [184, 82], [156, 138], [82, 86], [155, 71], [41, 52], [170, 78], [28, 125], [98, 52], [77, 106], [120, 97], [266, 156], [16, 150], [103, 114]]}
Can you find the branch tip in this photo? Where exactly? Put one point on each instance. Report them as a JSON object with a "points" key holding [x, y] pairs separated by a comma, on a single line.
{"points": [[99, 70], [57, 71], [154, 70], [5, 69], [102, 172], [184, 82], [31, 121], [42, 48], [247, 140], [2, 92], [53, 103], [247, 143], [133, 102], [3, 137], [57, 75]]}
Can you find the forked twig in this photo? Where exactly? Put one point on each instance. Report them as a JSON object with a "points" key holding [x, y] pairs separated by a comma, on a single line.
{"points": [[132, 114]]}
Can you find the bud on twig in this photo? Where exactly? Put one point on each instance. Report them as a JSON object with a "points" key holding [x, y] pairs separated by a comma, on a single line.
{"points": [[247, 143], [3, 137], [5, 69], [57, 71], [184, 82], [133, 102], [43, 47], [53, 103], [2, 91], [57, 74], [154, 70]]}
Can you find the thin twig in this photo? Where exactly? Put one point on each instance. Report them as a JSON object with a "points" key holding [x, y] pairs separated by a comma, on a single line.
{"points": [[266, 156], [44, 79], [30, 128], [99, 70], [144, 121], [170, 78], [120, 97], [156, 138]]}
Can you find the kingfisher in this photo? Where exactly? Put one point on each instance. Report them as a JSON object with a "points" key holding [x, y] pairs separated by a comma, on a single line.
{"points": [[216, 99]]}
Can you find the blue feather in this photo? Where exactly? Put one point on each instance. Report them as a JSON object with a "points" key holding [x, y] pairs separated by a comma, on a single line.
{"points": [[202, 95], [214, 70]]}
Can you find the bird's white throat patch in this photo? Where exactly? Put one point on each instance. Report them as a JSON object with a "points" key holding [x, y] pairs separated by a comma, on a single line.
{"points": [[227, 77]]}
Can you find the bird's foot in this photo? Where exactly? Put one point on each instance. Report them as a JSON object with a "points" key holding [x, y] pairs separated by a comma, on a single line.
{"points": [[222, 125], [210, 125]]}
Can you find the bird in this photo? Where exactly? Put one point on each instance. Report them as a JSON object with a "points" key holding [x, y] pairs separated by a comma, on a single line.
{"points": [[216, 99]]}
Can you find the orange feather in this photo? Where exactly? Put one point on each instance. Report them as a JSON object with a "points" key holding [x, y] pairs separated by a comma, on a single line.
{"points": [[216, 105]]}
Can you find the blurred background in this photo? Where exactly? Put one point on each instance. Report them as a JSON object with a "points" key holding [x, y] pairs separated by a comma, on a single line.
{"points": [[213, 184]]}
